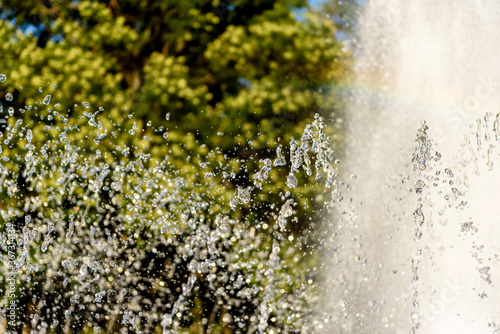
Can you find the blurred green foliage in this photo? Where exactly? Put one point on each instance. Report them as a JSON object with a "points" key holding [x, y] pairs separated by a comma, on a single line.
{"points": [[237, 78]]}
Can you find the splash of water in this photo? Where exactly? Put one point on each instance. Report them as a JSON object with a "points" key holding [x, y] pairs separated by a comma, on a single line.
{"points": [[97, 235]]}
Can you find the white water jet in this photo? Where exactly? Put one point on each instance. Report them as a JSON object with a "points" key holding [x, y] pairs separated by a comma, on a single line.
{"points": [[432, 61]]}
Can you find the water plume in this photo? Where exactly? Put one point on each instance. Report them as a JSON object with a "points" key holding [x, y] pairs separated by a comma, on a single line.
{"points": [[413, 245], [101, 234]]}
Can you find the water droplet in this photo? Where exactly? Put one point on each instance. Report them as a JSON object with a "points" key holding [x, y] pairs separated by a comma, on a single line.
{"points": [[418, 186], [3, 77], [28, 156], [9, 97], [291, 180], [490, 161], [46, 99], [45, 245], [233, 202], [496, 127], [419, 215], [296, 155], [285, 212], [468, 227], [244, 194], [280, 159], [485, 274], [263, 174]]}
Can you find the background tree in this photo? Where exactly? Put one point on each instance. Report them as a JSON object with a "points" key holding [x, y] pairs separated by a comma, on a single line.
{"points": [[227, 82]]}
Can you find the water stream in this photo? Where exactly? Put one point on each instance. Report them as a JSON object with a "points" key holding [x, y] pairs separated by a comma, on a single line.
{"points": [[414, 244]]}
